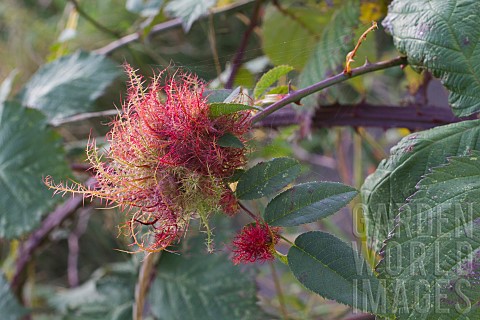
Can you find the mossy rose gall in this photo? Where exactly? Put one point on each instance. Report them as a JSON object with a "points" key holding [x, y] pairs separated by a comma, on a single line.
{"points": [[164, 166]]}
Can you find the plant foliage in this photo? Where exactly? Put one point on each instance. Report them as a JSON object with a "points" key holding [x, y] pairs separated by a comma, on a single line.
{"points": [[30, 150], [441, 36], [222, 154], [435, 246]]}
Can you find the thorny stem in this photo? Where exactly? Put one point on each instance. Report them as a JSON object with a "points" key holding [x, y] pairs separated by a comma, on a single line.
{"points": [[414, 117], [143, 284], [299, 94], [237, 60], [278, 288], [97, 24]]}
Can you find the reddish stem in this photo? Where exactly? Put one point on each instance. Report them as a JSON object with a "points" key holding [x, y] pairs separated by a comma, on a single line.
{"points": [[415, 117], [34, 241], [250, 213], [295, 96]]}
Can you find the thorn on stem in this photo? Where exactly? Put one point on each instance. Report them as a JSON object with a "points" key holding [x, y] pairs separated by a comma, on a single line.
{"points": [[351, 54]]}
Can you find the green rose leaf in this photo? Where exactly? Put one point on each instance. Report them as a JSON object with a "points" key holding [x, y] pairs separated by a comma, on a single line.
{"points": [[230, 141], [329, 267], [308, 202], [266, 178], [221, 108], [441, 36], [270, 78]]}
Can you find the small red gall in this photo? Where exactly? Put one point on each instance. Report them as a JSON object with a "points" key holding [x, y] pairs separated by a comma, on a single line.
{"points": [[256, 242]]}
